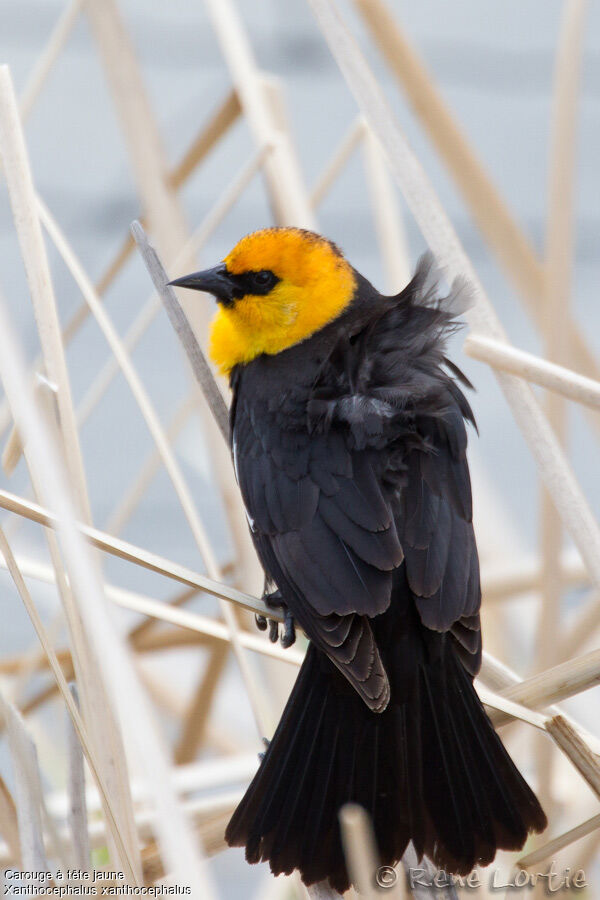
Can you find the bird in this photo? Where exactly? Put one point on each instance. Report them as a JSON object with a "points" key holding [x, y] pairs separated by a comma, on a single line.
{"points": [[349, 445]]}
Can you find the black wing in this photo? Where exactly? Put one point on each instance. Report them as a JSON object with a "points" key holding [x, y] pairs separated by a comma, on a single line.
{"points": [[442, 564], [326, 534], [370, 460]]}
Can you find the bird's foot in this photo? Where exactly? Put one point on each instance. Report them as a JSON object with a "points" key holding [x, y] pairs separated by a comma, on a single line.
{"points": [[266, 742], [274, 600]]}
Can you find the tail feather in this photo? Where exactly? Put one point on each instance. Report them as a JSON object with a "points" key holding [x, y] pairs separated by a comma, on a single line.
{"points": [[301, 722], [430, 769]]}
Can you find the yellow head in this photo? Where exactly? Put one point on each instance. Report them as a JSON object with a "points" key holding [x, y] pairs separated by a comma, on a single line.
{"points": [[276, 287]]}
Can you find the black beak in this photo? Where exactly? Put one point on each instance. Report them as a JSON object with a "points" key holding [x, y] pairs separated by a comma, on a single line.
{"points": [[215, 281]]}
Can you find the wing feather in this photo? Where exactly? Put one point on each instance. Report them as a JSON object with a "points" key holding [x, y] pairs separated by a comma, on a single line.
{"points": [[356, 467]]}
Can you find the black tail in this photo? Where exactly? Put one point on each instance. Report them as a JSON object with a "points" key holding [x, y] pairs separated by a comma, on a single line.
{"points": [[430, 769]]}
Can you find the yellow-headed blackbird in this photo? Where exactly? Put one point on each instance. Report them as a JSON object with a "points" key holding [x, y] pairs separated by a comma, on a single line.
{"points": [[349, 446]]}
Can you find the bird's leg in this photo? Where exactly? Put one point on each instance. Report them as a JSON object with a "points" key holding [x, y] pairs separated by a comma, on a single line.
{"points": [[274, 600], [261, 621]]}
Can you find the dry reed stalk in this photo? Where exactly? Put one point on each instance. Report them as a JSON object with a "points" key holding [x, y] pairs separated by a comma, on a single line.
{"points": [[97, 713], [131, 553], [553, 377], [218, 408], [163, 696], [14, 448], [196, 715], [559, 237], [286, 189], [191, 621], [386, 212], [111, 368], [214, 129], [148, 160], [12, 452], [196, 358], [187, 780], [207, 626], [270, 93], [556, 683], [117, 670], [571, 744], [554, 469], [225, 115], [45, 61], [548, 850], [168, 638], [165, 218], [424, 866], [209, 135], [77, 803], [511, 578], [247, 568], [360, 851], [194, 622], [138, 632], [338, 160], [210, 832], [558, 266], [489, 211], [149, 311], [583, 627], [202, 814], [155, 640], [159, 609], [139, 392], [22, 198], [514, 710], [149, 468], [45, 694], [540, 691], [480, 195], [34, 658], [196, 809], [162, 444], [28, 792], [321, 891], [82, 733], [139, 635], [9, 823], [585, 856]]}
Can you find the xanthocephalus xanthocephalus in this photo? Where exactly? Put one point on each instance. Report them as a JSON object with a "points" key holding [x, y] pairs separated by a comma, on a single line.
{"points": [[349, 446]]}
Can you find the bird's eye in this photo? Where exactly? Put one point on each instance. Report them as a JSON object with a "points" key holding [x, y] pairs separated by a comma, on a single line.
{"points": [[263, 278]]}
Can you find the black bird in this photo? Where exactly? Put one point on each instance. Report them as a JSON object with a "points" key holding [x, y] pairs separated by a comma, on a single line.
{"points": [[349, 445]]}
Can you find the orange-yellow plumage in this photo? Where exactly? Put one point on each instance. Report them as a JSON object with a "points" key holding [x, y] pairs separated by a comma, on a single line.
{"points": [[315, 285]]}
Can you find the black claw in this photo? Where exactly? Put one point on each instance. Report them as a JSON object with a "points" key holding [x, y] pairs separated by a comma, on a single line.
{"points": [[274, 600], [261, 622], [266, 742], [289, 633]]}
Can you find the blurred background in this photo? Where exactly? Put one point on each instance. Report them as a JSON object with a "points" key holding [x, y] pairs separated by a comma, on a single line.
{"points": [[494, 65]]}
